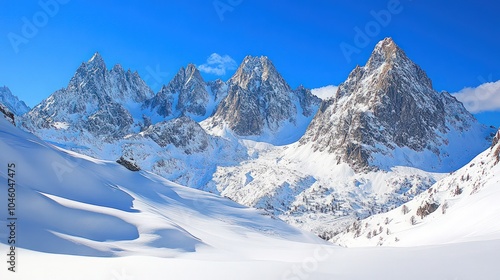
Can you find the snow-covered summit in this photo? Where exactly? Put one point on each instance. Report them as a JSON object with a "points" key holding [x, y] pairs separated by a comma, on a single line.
{"points": [[261, 104], [100, 101], [12, 102], [388, 53], [187, 94], [386, 114], [96, 62], [255, 71]]}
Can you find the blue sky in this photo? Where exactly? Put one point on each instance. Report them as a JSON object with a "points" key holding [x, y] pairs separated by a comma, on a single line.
{"points": [[457, 43]]}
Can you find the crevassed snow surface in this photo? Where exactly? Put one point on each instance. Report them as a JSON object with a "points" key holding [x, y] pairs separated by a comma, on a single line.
{"points": [[82, 218]]}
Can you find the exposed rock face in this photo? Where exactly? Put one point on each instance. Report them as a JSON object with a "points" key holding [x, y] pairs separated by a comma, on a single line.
{"points": [[308, 102], [496, 139], [7, 114], [12, 103], [185, 94], [111, 119], [495, 143], [218, 89], [387, 104], [259, 99], [129, 164], [95, 100], [183, 133]]}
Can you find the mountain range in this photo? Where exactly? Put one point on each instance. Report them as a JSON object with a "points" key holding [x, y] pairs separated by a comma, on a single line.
{"points": [[73, 212], [384, 139]]}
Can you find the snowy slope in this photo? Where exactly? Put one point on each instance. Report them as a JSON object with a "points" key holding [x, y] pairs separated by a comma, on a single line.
{"points": [[73, 204], [82, 218], [460, 208], [311, 190]]}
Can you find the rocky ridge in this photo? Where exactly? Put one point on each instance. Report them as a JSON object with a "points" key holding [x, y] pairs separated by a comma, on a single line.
{"points": [[386, 113]]}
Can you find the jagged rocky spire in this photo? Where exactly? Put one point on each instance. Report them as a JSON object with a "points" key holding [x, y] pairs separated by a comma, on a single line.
{"points": [[259, 100], [95, 100], [386, 113]]}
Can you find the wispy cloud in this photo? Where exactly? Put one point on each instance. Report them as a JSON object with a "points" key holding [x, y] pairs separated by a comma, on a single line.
{"points": [[218, 64], [485, 97], [325, 92]]}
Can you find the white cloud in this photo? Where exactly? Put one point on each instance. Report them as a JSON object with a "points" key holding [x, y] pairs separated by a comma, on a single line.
{"points": [[485, 97], [217, 64], [325, 92]]}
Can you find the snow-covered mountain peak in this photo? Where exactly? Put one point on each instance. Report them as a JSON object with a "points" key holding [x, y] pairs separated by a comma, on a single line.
{"points": [[386, 114], [95, 67], [256, 70], [260, 104], [389, 59], [387, 50], [189, 73], [96, 61], [191, 68], [96, 100], [185, 95], [13, 103], [118, 68], [250, 62]]}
